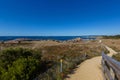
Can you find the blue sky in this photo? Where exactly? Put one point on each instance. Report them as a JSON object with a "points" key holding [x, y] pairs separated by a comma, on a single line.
{"points": [[59, 17]]}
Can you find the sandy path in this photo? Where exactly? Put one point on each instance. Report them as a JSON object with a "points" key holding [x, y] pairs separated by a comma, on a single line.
{"points": [[111, 51], [90, 69]]}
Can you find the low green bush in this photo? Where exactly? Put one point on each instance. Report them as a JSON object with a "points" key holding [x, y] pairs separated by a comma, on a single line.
{"points": [[19, 64], [116, 57]]}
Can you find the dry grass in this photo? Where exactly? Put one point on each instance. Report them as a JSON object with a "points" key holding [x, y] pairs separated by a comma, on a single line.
{"points": [[23, 44], [113, 43]]}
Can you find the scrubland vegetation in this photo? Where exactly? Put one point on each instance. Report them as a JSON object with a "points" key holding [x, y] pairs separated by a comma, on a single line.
{"points": [[115, 45], [43, 63], [19, 64], [112, 41], [117, 57], [112, 37]]}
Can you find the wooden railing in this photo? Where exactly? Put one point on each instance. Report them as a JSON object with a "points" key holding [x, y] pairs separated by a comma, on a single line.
{"points": [[111, 68]]}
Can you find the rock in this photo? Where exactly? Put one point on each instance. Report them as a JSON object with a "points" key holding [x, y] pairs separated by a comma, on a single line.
{"points": [[75, 40]]}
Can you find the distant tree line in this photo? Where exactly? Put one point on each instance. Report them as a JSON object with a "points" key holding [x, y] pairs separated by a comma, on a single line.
{"points": [[112, 37]]}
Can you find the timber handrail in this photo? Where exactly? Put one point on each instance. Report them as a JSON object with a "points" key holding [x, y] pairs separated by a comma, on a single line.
{"points": [[111, 68]]}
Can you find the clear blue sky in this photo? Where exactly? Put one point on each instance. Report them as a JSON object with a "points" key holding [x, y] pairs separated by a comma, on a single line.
{"points": [[59, 17]]}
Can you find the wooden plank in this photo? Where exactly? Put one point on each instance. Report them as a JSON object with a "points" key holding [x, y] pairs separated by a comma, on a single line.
{"points": [[109, 63]]}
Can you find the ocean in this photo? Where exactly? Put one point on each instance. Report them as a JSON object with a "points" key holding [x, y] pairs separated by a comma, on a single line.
{"points": [[62, 38]]}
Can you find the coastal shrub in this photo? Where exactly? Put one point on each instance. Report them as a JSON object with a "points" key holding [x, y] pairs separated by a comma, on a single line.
{"points": [[19, 64], [20, 69], [116, 57]]}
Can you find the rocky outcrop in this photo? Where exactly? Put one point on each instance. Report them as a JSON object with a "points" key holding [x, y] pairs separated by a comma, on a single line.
{"points": [[75, 40], [19, 40]]}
